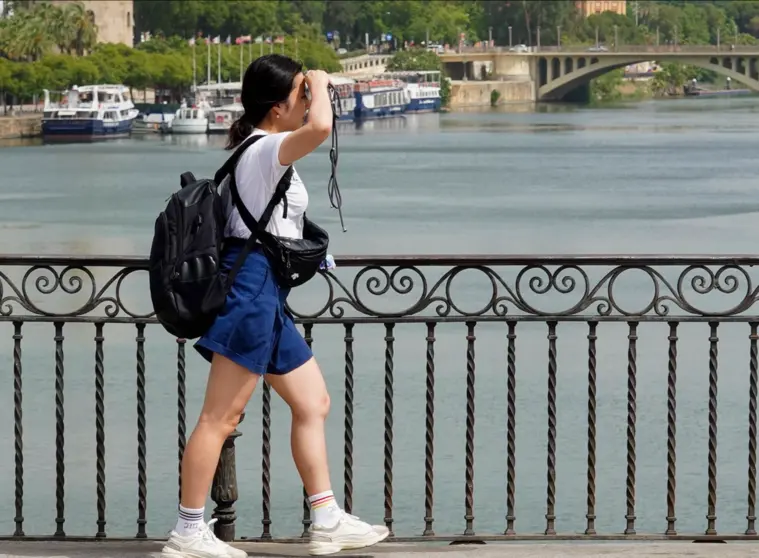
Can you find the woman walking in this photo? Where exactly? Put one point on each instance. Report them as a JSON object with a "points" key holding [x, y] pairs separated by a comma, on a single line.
{"points": [[253, 335]]}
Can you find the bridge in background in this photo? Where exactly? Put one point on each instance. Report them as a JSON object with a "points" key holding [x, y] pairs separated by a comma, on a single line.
{"points": [[556, 71]]}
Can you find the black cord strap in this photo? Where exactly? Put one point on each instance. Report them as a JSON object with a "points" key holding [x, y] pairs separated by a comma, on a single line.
{"points": [[333, 190]]}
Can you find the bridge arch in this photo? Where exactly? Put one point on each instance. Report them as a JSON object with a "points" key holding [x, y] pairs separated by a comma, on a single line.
{"points": [[595, 66]]}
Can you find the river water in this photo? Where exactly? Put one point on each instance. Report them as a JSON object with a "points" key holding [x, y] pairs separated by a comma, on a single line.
{"points": [[652, 177]]}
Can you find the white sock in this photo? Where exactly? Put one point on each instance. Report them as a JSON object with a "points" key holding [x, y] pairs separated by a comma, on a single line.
{"points": [[189, 521], [324, 509]]}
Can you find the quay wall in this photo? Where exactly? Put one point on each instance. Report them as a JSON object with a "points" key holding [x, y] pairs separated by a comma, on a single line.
{"points": [[24, 126], [477, 93]]}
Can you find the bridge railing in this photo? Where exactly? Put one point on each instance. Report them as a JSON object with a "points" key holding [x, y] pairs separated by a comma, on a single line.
{"points": [[593, 381], [618, 50]]}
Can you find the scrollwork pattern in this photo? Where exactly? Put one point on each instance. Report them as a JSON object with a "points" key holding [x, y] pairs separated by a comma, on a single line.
{"points": [[466, 289]]}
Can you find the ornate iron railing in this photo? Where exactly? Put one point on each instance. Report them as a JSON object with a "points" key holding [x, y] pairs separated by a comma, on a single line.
{"points": [[483, 295]]}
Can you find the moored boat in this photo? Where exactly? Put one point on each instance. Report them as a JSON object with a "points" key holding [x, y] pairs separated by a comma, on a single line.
{"points": [[191, 119], [380, 98], [423, 88], [151, 123], [89, 112], [220, 119], [345, 88]]}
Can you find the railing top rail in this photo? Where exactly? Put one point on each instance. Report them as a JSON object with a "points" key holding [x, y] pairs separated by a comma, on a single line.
{"points": [[141, 262]]}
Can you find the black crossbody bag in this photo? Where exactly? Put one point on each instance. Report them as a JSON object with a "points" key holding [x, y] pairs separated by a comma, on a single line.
{"points": [[293, 260]]}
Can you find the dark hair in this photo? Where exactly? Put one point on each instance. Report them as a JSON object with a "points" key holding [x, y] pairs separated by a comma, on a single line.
{"points": [[267, 81]]}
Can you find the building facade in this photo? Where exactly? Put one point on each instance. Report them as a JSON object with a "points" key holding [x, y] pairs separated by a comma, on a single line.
{"points": [[114, 19], [591, 7]]}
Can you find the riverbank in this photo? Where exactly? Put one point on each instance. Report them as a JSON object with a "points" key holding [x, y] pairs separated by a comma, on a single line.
{"points": [[21, 126]]}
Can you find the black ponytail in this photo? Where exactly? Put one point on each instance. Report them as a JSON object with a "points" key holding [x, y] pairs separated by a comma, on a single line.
{"points": [[239, 130], [267, 81]]}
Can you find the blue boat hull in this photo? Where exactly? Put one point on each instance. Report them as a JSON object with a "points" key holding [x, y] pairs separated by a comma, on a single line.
{"points": [[363, 113], [424, 105], [77, 128]]}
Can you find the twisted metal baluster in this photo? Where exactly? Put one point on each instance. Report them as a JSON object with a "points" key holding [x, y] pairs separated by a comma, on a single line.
{"points": [[632, 371], [711, 513], [348, 435], [751, 516], [511, 425], [181, 411], [60, 467], [18, 430], [469, 448], [590, 516], [672, 430], [142, 490], [388, 462], [551, 460], [308, 336], [100, 428], [266, 462], [429, 434]]}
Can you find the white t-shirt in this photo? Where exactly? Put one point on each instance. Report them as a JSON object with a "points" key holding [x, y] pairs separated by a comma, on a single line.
{"points": [[258, 173]]}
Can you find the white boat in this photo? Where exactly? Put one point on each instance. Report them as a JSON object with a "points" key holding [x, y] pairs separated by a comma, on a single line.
{"points": [[381, 98], [220, 119], [89, 112], [153, 123], [190, 119], [423, 88]]}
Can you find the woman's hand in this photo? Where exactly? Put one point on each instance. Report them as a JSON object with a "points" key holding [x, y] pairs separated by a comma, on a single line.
{"points": [[320, 118], [317, 79]]}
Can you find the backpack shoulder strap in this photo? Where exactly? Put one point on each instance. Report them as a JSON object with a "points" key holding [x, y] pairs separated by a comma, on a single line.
{"points": [[255, 227], [280, 193], [229, 165]]}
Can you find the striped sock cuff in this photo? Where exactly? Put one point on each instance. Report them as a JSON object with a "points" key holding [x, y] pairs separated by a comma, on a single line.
{"points": [[189, 514], [321, 500]]}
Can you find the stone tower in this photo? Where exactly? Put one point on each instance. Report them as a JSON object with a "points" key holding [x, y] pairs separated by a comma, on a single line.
{"points": [[114, 18]]}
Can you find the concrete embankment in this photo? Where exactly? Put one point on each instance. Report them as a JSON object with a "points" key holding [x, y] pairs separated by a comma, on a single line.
{"points": [[24, 126], [478, 93]]}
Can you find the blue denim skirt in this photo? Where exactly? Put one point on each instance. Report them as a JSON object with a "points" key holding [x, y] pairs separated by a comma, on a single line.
{"points": [[254, 329]]}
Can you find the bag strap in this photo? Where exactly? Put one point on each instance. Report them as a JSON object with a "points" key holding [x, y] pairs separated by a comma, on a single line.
{"points": [[255, 227], [280, 192], [229, 165]]}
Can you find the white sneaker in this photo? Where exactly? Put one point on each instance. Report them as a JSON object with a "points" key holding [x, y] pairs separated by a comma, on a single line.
{"points": [[350, 533], [201, 544]]}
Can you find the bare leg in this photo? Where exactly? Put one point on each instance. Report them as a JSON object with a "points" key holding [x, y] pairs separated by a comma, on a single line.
{"points": [[305, 393], [228, 390]]}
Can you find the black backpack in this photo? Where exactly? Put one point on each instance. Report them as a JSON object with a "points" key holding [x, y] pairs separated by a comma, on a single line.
{"points": [[188, 285]]}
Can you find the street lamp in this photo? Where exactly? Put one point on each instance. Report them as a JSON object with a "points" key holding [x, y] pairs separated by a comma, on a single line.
{"points": [[558, 36], [510, 36]]}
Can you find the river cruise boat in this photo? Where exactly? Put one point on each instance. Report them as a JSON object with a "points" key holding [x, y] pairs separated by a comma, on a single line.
{"points": [[423, 88], [380, 98], [345, 88], [89, 112]]}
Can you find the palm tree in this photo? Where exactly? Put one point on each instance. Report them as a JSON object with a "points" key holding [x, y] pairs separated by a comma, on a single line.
{"points": [[31, 33], [81, 24]]}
